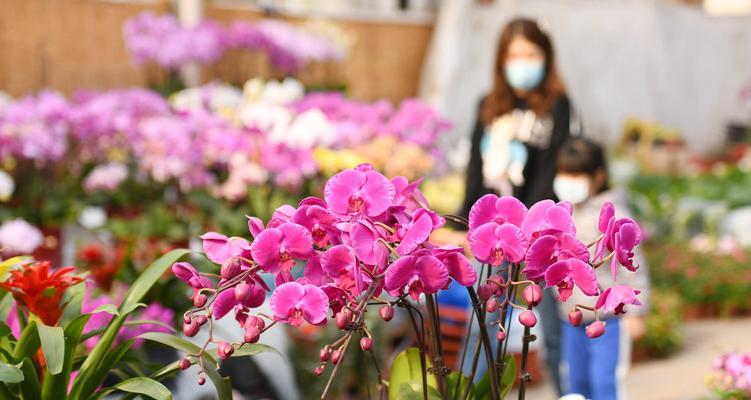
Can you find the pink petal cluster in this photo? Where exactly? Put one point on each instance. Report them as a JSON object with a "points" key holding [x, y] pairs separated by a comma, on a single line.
{"points": [[733, 373]]}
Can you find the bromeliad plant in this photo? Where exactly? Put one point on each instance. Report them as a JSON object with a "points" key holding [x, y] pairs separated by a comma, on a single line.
{"points": [[57, 347], [366, 244]]}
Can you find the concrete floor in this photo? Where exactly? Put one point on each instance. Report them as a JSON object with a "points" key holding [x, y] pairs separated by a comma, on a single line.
{"points": [[682, 376]]}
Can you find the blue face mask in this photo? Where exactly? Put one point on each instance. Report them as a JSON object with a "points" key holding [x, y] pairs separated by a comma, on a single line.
{"points": [[524, 75]]}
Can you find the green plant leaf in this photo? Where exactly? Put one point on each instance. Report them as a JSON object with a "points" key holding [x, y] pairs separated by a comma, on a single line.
{"points": [[456, 382], [28, 343], [53, 346], [30, 388], [56, 386], [150, 276], [4, 329], [10, 373], [249, 349], [177, 343], [137, 322], [108, 308], [144, 386], [222, 384], [406, 375], [509, 376]]}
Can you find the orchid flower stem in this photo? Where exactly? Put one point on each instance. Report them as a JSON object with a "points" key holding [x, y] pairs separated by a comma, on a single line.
{"points": [[524, 375], [336, 367], [387, 244], [421, 342], [466, 343], [458, 219], [495, 393], [584, 307], [521, 282], [384, 226], [211, 275], [594, 242], [378, 372], [438, 364], [471, 379], [603, 261], [516, 306], [506, 317]]}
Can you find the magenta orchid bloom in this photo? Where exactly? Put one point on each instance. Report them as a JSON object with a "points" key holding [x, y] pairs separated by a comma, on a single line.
{"points": [[417, 231], [340, 264], [255, 226], [319, 222], [356, 192], [276, 249], [228, 299], [615, 298], [459, 268], [547, 215], [491, 208], [548, 249], [367, 244], [418, 274], [189, 274], [492, 243], [408, 195], [627, 236], [294, 303], [219, 248], [567, 273]]}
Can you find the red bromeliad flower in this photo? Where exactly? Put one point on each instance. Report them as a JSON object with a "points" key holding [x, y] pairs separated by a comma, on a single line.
{"points": [[39, 291]]}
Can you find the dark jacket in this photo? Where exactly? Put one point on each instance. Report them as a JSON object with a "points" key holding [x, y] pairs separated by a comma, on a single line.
{"points": [[540, 169]]}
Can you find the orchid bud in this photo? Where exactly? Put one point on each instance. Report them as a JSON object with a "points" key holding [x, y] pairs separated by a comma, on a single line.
{"points": [[184, 364], [186, 319], [500, 336], [343, 319], [532, 294], [252, 334], [242, 292], [336, 356], [201, 381], [491, 305], [366, 343], [319, 370], [485, 291], [256, 321], [325, 354], [230, 269], [595, 329], [225, 350], [191, 329], [201, 320], [575, 317], [387, 312], [199, 300], [528, 318]]}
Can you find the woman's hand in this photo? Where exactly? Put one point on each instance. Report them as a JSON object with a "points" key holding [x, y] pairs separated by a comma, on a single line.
{"points": [[635, 325]]}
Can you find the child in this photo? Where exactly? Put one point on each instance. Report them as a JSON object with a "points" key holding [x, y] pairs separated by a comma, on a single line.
{"points": [[595, 368]]}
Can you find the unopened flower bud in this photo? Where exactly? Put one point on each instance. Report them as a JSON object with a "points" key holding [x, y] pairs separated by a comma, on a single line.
{"points": [[387, 312], [491, 305], [252, 334], [366, 343], [199, 300], [184, 364], [595, 329], [319, 370], [201, 320], [485, 291], [256, 321], [201, 381], [336, 356], [242, 292], [575, 317], [225, 350], [230, 269], [500, 336], [528, 318], [186, 319], [532, 294], [325, 354], [191, 329], [343, 319]]}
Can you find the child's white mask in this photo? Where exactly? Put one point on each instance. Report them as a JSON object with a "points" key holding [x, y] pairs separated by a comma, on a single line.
{"points": [[572, 189]]}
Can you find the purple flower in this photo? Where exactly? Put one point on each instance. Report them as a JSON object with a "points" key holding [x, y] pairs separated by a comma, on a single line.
{"points": [[357, 192], [189, 274], [418, 274], [415, 232], [276, 249], [615, 298], [492, 243], [220, 248], [459, 268], [491, 208], [548, 249], [293, 303], [567, 273], [547, 215]]}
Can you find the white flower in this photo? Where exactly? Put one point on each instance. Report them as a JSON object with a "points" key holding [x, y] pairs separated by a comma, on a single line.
{"points": [[19, 237], [7, 186], [92, 217], [269, 118], [309, 129], [282, 93]]}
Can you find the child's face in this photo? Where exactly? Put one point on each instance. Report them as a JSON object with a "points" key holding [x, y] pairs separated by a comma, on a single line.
{"points": [[573, 188]]}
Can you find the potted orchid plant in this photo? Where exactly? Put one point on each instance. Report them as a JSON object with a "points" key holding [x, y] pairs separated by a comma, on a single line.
{"points": [[364, 248]]}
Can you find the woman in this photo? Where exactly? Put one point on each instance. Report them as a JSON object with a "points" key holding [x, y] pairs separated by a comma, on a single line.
{"points": [[520, 126]]}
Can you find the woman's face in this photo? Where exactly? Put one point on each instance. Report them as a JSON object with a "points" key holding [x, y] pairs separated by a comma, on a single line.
{"points": [[524, 67]]}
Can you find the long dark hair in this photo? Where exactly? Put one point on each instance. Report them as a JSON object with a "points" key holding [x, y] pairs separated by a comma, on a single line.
{"points": [[579, 155], [501, 99]]}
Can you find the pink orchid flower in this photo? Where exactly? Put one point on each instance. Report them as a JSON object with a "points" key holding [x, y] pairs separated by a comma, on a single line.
{"points": [[615, 298], [547, 215], [228, 299], [408, 195], [567, 273], [492, 243], [366, 242], [459, 268], [255, 226], [625, 237], [219, 248], [548, 249], [319, 222], [419, 273], [356, 192], [415, 232], [340, 264], [491, 208], [294, 303], [277, 248], [189, 274]]}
